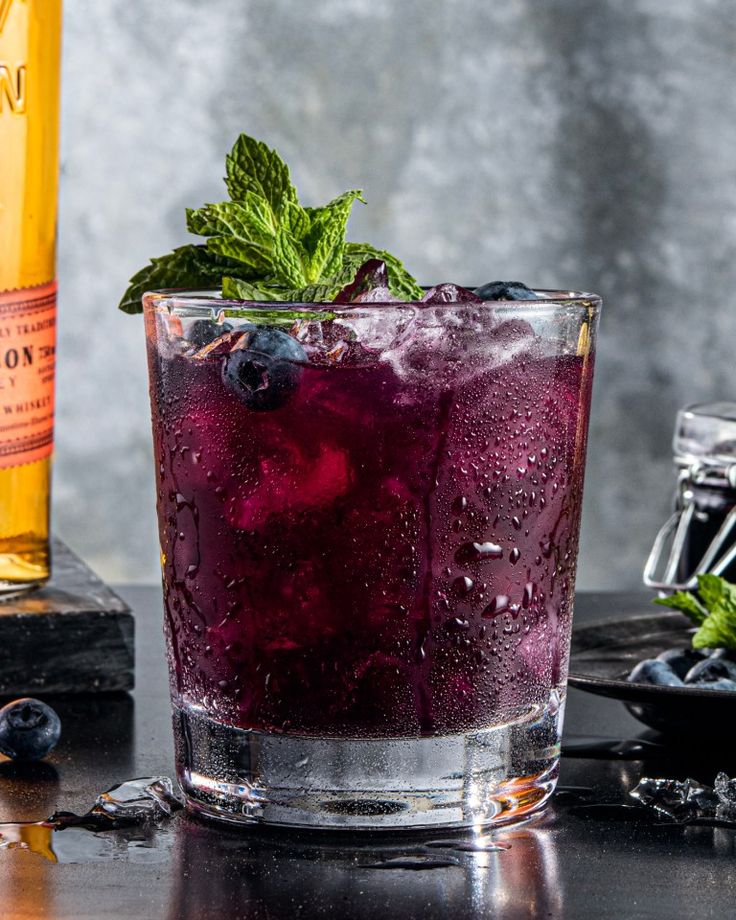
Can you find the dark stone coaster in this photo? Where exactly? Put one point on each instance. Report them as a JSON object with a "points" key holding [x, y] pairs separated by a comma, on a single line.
{"points": [[74, 635]]}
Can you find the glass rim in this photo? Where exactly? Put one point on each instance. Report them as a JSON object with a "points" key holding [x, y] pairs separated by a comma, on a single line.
{"points": [[209, 302]]}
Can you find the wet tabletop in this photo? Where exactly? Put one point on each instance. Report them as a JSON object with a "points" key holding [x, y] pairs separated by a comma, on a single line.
{"points": [[571, 863]]}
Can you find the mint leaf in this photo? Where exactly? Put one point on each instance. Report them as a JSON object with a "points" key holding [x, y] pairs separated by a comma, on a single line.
{"points": [[185, 267], [252, 220], [686, 603], [263, 245], [713, 610], [243, 232], [294, 219], [288, 265], [401, 283], [717, 593], [271, 290], [325, 240], [717, 631], [237, 289], [251, 166], [248, 255]]}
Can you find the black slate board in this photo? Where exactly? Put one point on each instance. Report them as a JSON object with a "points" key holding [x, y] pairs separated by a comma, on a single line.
{"points": [[74, 635]]}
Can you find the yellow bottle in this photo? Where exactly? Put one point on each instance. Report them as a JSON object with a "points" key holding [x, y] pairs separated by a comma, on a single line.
{"points": [[30, 46]]}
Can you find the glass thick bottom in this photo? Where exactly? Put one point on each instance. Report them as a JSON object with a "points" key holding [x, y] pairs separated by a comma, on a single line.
{"points": [[474, 779]]}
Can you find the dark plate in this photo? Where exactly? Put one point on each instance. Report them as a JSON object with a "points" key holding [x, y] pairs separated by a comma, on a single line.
{"points": [[603, 653]]}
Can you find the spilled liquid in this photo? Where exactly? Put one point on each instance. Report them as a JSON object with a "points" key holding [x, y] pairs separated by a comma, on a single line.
{"points": [[427, 856], [138, 806]]}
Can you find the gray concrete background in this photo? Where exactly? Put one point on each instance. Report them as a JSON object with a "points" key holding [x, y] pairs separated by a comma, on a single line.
{"points": [[573, 143]]}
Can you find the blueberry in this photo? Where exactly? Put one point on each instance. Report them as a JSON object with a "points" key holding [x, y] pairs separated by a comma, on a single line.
{"points": [[204, 331], [681, 659], [29, 729], [723, 683], [711, 669], [651, 671], [263, 369], [506, 290]]}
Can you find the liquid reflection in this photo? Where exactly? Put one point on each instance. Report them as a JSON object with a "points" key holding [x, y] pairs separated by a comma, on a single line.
{"points": [[219, 873]]}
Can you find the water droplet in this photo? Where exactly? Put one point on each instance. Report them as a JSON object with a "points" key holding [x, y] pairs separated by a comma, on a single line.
{"points": [[459, 504], [514, 555], [463, 585], [498, 605], [475, 552]]}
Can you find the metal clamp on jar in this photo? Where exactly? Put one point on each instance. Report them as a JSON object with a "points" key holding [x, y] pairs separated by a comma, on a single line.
{"points": [[701, 534]]}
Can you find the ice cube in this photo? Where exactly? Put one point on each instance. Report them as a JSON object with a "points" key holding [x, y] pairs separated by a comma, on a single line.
{"points": [[150, 798], [725, 789], [454, 346], [376, 295], [147, 800], [676, 800], [370, 285], [222, 345], [328, 342], [450, 293]]}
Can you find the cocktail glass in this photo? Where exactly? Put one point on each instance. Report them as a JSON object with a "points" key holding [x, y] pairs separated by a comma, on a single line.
{"points": [[369, 518]]}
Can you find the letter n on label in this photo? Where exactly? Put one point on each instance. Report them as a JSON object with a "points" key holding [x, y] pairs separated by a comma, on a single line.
{"points": [[13, 88]]}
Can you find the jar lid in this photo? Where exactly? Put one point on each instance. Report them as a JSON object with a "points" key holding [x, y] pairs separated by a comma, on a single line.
{"points": [[706, 433]]}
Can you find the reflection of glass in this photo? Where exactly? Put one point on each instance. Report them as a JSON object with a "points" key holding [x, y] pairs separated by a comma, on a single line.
{"points": [[30, 39], [280, 879], [369, 519]]}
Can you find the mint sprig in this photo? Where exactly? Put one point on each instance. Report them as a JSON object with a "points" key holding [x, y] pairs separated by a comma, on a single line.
{"points": [[712, 609], [263, 245]]}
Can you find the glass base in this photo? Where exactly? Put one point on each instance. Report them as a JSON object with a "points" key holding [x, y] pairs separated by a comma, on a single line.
{"points": [[475, 779]]}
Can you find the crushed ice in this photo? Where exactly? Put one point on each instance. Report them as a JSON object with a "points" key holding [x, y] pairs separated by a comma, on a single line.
{"points": [[150, 799], [688, 800]]}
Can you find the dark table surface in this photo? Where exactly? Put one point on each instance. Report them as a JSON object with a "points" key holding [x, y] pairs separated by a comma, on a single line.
{"points": [[563, 865]]}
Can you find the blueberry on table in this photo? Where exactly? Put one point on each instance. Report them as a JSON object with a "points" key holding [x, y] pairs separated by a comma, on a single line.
{"points": [[652, 671], [506, 290], [263, 369], [711, 669], [204, 331], [29, 729]]}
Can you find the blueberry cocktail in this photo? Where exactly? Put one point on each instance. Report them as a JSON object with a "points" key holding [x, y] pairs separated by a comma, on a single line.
{"points": [[369, 507]]}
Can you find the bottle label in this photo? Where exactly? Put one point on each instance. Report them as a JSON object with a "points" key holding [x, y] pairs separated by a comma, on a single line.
{"points": [[27, 360]]}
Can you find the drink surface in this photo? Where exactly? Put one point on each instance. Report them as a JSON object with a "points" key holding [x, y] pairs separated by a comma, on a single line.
{"points": [[392, 551], [29, 112]]}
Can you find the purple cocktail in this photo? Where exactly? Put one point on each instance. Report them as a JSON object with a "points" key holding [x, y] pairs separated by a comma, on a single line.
{"points": [[369, 519]]}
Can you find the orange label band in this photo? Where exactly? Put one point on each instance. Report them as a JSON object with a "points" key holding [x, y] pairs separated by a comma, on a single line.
{"points": [[27, 361]]}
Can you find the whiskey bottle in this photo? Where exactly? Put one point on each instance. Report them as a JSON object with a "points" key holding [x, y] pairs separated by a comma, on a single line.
{"points": [[30, 44]]}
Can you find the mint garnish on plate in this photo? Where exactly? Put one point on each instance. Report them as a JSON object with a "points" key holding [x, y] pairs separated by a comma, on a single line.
{"points": [[712, 609], [263, 245]]}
